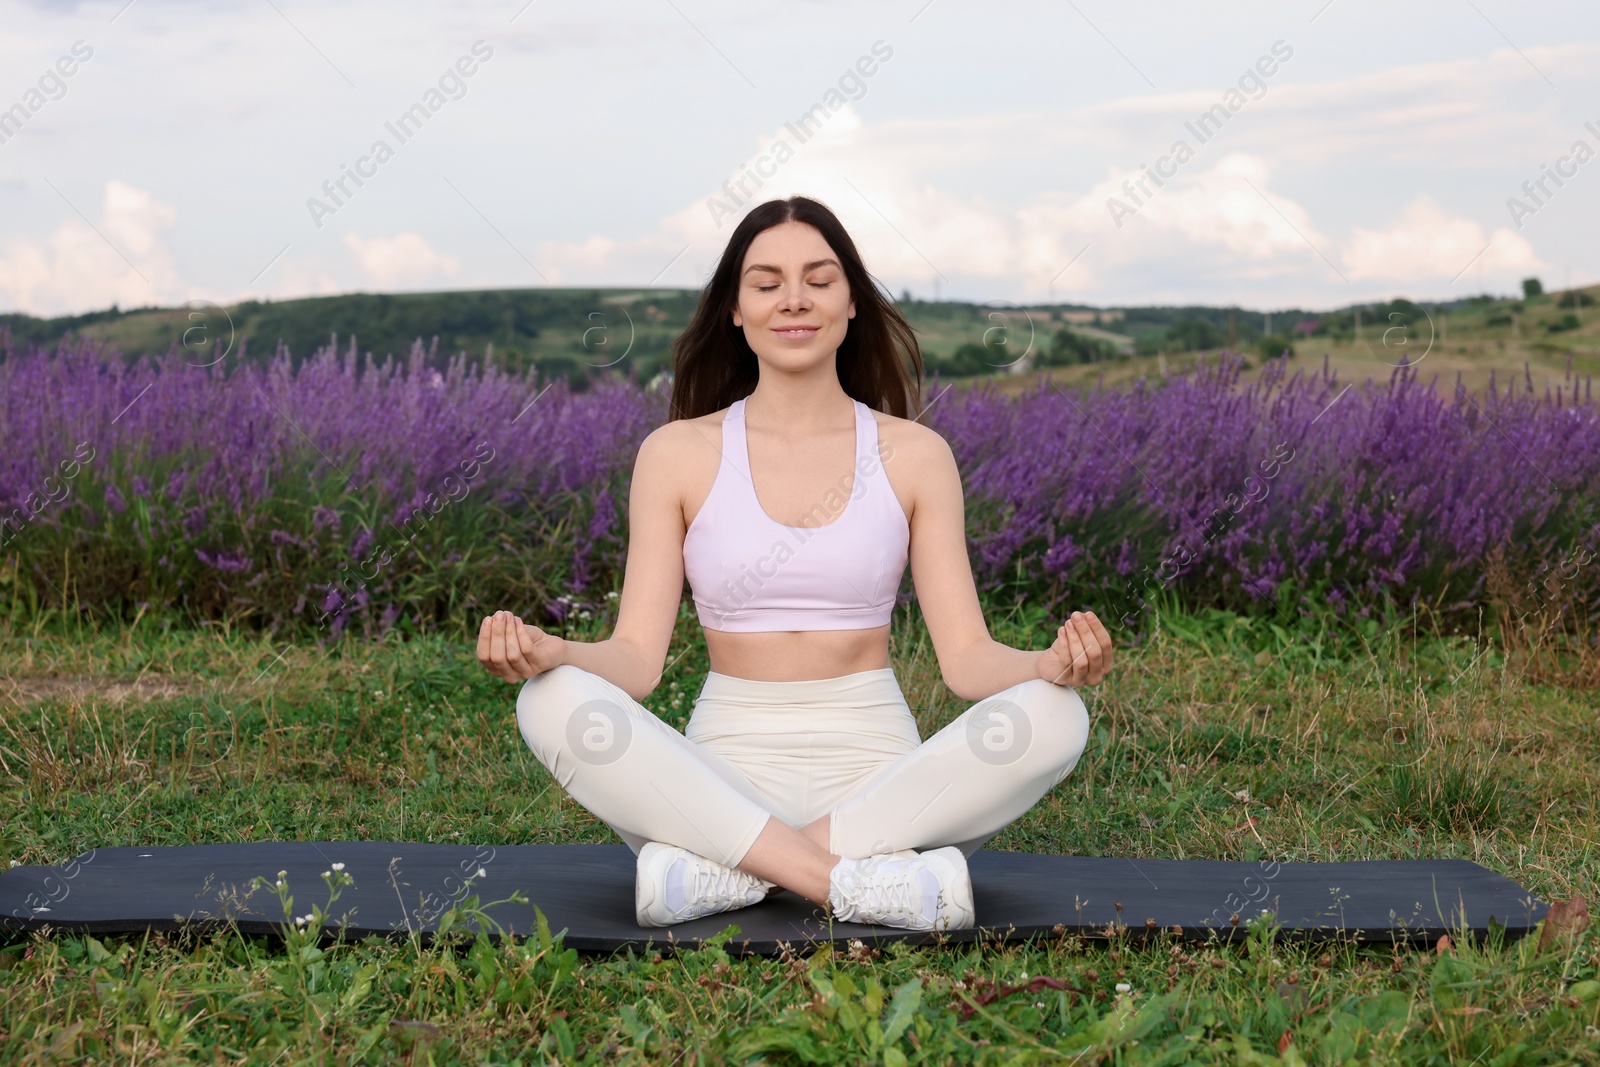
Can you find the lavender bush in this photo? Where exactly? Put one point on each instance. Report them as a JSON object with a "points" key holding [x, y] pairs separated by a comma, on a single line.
{"points": [[333, 492], [1352, 496], [342, 493]]}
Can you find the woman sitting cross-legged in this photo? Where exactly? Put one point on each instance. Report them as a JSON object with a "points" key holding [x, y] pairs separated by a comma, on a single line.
{"points": [[791, 490]]}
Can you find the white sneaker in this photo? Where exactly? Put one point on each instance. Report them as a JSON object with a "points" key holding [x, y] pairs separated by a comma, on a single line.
{"points": [[910, 890], [674, 885]]}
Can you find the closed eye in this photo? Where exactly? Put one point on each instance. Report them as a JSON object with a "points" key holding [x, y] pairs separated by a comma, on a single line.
{"points": [[768, 288]]}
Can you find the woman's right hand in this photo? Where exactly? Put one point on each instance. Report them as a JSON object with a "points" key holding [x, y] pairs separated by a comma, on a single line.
{"points": [[516, 651]]}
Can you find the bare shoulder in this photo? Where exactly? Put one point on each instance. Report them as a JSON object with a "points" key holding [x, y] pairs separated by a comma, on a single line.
{"points": [[681, 458], [684, 440], [917, 460], [909, 445]]}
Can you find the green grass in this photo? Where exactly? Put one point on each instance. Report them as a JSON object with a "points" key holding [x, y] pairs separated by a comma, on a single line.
{"points": [[1339, 746]]}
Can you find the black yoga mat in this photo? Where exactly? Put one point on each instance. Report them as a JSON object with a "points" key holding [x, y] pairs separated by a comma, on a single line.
{"points": [[587, 890]]}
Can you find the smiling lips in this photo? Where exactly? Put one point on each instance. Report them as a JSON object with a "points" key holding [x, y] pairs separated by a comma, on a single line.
{"points": [[798, 332]]}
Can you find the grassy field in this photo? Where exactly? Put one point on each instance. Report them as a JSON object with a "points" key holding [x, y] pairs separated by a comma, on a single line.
{"points": [[1221, 737], [1513, 345]]}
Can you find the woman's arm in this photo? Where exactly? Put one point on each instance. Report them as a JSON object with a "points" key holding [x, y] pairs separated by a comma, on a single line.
{"points": [[652, 582], [972, 663], [652, 588]]}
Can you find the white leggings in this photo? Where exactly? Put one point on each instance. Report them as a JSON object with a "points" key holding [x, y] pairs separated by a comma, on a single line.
{"points": [[798, 750]]}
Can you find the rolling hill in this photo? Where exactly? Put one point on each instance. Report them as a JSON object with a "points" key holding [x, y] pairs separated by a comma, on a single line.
{"points": [[578, 333]]}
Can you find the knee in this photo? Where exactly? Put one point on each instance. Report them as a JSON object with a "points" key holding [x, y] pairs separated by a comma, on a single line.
{"points": [[548, 701], [1059, 723]]}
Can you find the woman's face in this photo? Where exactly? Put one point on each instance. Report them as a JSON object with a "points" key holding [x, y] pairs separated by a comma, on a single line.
{"points": [[794, 302]]}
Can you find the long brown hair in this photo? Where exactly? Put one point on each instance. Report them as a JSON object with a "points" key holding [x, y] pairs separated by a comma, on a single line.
{"points": [[879, 361]]}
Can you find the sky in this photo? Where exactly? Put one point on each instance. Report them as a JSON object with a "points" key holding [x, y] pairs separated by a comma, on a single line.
{"points": [[164, 151]]}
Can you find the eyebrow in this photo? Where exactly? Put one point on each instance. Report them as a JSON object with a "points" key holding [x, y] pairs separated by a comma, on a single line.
{"points": [[808, 268]]}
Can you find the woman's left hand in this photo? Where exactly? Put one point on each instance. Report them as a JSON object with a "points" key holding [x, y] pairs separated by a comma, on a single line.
{"points": [[1081, 654]]}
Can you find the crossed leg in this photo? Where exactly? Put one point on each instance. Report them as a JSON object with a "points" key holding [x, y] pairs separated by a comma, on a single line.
{"points": [[649, 782], [960, 787]]}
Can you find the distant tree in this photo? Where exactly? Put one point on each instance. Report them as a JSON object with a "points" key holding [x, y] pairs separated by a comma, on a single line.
{"points": [[1574, 298], [972, 358], [1187, 335], [1408, 312], [1531, 287], [1069, 346], [1275, 345]]}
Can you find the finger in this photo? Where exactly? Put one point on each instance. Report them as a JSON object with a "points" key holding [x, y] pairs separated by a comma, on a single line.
{"points": [[497, 648], [1104, 635], [508, 649], [528, 637], [1091, 647], [1077, 658], [520, 666], [483, 639], [1058, 648], [1066, 652]]}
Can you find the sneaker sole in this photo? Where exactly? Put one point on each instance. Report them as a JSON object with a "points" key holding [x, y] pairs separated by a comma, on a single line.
{"points": [[950, 865], [651, 866]]}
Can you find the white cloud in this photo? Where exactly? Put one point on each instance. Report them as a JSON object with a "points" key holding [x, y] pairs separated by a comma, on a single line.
{"points": [[1394, 163], [1227, 207], [908, 228], [125, 262], [1428, 244], [299, 279], [404, 259], [907, 191]]}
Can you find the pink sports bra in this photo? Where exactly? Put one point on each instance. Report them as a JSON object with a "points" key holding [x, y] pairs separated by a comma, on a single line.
{"points": [[749, 572]]}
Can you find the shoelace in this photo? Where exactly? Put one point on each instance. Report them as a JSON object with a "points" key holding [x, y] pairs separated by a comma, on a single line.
{"points": [[899, 897], [714, 884]]}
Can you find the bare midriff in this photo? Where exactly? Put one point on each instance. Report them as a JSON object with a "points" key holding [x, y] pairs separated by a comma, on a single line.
{"points": [[795, 655]]}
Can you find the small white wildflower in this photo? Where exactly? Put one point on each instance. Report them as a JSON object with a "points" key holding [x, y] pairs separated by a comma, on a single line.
{"points": [[1592, 1031], [1024, 976], [280, 884], [482, 873], [611, 595], [378, 693], [338, 866], [15, 863], [1243, 794], [282, 875], [299, 920], [327, 874], [1038, 1003], [1124, 987]]}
